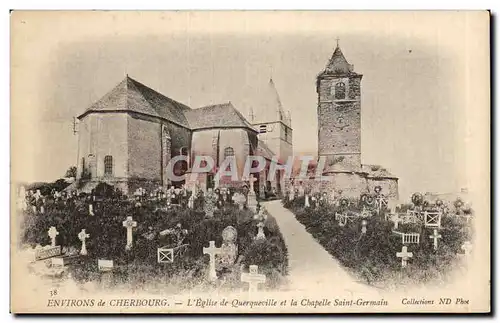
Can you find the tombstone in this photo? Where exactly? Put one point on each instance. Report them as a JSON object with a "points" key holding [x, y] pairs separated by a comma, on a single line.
{"points": [[435, 236], [306, 201], [239, 199], [210, 203], [253, 278], [91, 210], [260, 233], [105, 267], [190, 203], [53, 233], [251, 197], [83, 236], [129, 224], [291, 196], [301, 190], [229, 249], [363, 226], [396, 219], [212, 251], [467, 248], [404, 255]]}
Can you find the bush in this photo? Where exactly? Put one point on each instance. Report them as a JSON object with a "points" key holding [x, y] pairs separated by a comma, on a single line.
{"points": [[139, 265], [372, 256]]}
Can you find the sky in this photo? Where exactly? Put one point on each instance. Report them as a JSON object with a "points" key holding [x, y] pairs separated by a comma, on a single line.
{"points": [[413, 93]]}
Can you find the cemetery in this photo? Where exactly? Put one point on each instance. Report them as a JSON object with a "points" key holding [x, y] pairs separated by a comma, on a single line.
{"points": [[173, 239], [409, 244]]}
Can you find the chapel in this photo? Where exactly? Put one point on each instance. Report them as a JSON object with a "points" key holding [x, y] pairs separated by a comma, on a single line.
{"points": [[128, 137]]}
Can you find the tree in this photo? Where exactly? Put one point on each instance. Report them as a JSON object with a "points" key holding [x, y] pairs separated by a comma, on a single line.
{"points": [[71, 172]]}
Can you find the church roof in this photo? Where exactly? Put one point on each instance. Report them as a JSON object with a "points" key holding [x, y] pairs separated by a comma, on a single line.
{"points": [[267, 105], [132, 96], [223, 115]]}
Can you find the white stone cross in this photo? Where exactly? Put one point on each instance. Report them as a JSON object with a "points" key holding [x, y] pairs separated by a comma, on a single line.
{"points": [[396, 219], [212, 251], [435, 236], [306, 201], [129, 224], [83, 236], [253, 278], [404, 255], [363, 226], [53, 233], [467, 247]]}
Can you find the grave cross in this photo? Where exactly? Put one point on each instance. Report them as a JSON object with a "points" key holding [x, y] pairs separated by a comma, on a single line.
{"points": [[212, 251], [396, 219], [467, 247], [404, 255], [83, 236], [435, 236], [53, 233], [129, 224], [253, 278]]}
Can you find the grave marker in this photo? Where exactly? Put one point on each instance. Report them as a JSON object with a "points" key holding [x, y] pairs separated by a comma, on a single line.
{"points": [[260, 233], [435, 236], [53, 233], [212, 251], [83, 236], [467, 247], [404, 255], [229, 249], [129, 224], [253, 278]]}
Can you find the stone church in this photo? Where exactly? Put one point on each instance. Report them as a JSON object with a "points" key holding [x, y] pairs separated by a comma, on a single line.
{"points": [[128, 137], [339, 133]]}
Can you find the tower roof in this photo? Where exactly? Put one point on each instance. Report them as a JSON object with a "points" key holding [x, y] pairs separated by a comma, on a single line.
{"points": [[268, 107], [338, 64]]}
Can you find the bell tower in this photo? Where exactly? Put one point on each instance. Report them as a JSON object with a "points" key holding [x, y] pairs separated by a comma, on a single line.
{"points": [[339, 115]]}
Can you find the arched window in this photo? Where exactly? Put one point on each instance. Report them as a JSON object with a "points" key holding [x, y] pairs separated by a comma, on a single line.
{"points": [[228, 152], [108, 165], [340, 91]]}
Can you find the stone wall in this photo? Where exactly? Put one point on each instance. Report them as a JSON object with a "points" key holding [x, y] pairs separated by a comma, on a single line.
{"points": [[100, 135]]}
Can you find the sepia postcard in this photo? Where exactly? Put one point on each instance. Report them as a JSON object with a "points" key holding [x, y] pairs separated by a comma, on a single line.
{"points": [[250, 162]]}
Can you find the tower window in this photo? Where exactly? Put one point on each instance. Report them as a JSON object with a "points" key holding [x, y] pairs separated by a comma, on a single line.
{"points": [[228, 152], [108, 165], [262, 128], [340, 91]]}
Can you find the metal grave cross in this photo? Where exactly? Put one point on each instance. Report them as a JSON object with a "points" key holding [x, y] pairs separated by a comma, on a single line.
{"points": [[83, 236], [212, 251], [435, 236], [53, 233], [129, 224], [253, 278], [404, 255], [467, 247]]}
